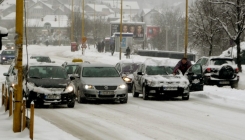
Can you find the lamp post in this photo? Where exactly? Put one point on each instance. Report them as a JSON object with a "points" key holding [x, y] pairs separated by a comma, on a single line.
{"points": [[120, 55], [166, 38], [130, 11], [186, 28]]}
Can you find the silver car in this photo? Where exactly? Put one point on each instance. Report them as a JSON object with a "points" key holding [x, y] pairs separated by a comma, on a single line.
{"points": [[99, 82]]}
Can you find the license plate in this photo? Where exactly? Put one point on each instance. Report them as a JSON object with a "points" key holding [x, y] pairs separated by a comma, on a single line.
{"points": [[224, 82], [52, 96], [170, 88], [107, 93]]}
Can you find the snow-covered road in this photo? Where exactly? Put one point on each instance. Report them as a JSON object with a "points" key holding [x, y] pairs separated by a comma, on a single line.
{"points": [[215, 113], [201, 117]]}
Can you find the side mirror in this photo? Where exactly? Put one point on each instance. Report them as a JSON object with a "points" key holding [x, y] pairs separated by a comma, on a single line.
{"points": [[72, 78], [140, 73], [5, 74]]}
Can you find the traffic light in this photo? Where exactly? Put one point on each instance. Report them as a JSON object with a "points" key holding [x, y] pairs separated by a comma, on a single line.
{"points": [[3, 33]]}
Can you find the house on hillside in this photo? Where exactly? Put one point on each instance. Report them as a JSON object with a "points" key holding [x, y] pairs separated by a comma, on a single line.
{"points": [[148, 16], [98, 10]]}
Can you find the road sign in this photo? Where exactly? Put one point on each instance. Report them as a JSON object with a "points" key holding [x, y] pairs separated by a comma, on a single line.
{"points": [[124, 42], [84, 39]]}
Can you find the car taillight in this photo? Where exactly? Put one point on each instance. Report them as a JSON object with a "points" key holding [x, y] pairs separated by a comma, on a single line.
{"points": [[236, 70], [208, 69]]}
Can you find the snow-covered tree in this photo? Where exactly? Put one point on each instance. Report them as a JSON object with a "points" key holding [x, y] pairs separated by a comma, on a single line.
{"points": [[232, 20]]}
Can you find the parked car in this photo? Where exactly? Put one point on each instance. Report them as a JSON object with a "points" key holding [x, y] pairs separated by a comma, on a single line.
{"points": [[220, 71], [42, 58], [99, 82], [47, 84], [7, 56], [156, 79], [10, 46], [126, 68]]}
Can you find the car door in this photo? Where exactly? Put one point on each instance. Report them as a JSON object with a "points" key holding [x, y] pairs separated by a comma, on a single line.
{"points": [[139, 74], [195, 77], [77, 80]]}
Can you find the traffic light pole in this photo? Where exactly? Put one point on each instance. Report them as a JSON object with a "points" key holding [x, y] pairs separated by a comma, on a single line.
{"points": [[18, 66]]}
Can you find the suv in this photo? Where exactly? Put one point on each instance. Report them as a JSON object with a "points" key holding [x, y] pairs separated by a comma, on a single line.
{"points": [[220, 71]]}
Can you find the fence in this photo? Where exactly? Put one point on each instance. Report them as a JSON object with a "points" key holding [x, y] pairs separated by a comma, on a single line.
{"points": [[8, 102]]}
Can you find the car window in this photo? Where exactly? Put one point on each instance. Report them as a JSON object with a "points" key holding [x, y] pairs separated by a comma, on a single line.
{"points": [[51, 72], [8, 52], [196, 69], [221, 61], [129, 67], [100, 72], [199, 61], [70, 69], [156, 70]]}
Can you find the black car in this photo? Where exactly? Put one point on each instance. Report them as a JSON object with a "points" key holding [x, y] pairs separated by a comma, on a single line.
{"points": [[126, 68], [220, 71], [47, 84], [7, 56], [42, 58]]}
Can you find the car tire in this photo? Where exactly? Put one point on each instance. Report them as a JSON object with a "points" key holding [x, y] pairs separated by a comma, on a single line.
{"points": [[71, 104], [145, 94], [185, 97], [234, 85], [134, 93], [125, 100], [79, 99]]}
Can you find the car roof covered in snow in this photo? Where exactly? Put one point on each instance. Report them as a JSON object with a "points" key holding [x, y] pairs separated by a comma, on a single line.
{"points": [[43, 64], [96, 65], [130, 61], [217, 57]]}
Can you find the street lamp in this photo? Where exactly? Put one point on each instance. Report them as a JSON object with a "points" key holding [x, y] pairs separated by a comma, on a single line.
{"points": [[130, 11], [120, 54], [186, 28]]}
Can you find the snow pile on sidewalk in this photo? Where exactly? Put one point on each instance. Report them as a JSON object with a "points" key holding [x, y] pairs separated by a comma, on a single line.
{"points": [[233, 51], [43, 130]]}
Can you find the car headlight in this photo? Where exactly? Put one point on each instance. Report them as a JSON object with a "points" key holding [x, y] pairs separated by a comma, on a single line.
{"points": [[89, 87], [126, 79], [12, 47], [3, 58], [122, 86], [69, 88]]}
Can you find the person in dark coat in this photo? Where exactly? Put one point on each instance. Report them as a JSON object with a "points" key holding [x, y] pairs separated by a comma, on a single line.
{"points": [[127, 52], [102, 46], [182, 65], [112, 48], [47, 43]]}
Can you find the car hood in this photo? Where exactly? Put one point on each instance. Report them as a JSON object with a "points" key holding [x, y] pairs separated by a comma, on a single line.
{"points": [[169, 80], [49, 83], [103, 81], [5, 55]]}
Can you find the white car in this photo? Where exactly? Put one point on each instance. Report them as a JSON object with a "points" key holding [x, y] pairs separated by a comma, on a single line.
{"points": [[154, 79]]}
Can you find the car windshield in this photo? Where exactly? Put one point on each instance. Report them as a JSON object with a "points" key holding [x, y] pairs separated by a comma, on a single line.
{"points": [[129, 67], [221, 61], [70, 69], [156, 70], [51, 72], [42, 59], [8, 52], [100, 72], [169, 69]]}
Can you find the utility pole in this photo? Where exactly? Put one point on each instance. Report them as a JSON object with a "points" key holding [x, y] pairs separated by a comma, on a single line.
{"points": [[166, 38], [186, 28], [83, 19], [18, 66], [120, 55], [72, 22]]}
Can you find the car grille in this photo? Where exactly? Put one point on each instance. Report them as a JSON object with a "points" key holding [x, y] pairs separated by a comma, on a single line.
{"points": [[106, 87]]}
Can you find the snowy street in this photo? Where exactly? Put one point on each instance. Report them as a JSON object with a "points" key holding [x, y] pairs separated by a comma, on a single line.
{"points": [[215, 113]]}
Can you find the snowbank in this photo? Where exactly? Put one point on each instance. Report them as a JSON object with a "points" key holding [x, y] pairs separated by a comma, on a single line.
{"points": [[232, 51]]}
